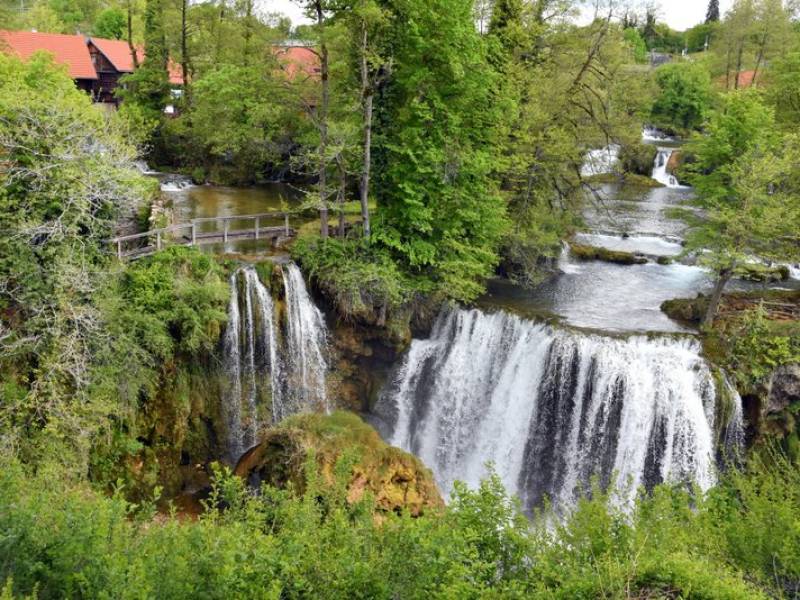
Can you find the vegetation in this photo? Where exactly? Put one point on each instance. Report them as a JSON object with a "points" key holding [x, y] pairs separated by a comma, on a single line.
{"points": [[737, 542], [684, 98], [585, 252]]}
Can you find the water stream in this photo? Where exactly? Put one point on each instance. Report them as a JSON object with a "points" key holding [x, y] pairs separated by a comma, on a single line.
{"points": [[275, 362]]}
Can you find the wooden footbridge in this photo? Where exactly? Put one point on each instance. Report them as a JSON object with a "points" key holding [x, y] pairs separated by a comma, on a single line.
{"points": [[197, 233]]}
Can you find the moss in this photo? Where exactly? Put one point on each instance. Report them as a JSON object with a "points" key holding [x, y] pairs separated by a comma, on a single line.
{"points": [[759, 272], [586, 252], [665, 260], [398, 481]]}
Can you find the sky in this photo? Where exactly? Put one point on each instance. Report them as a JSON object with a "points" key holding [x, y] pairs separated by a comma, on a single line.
{"points": [[678, 14]]}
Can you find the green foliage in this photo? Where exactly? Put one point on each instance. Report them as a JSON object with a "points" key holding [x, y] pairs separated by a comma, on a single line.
{"points": [[636, 44], [174, 302], [440, 211], [783, 90], [684, 97], [740, 540], [756, 346], [363, 281], [110, 24]]}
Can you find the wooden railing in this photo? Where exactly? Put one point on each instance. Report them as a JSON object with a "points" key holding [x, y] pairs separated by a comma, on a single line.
{"points": [[189, 234]]}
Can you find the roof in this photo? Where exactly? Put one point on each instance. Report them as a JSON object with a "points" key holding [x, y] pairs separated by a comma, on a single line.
{"points": [[119, 54], [70, 50], [295, 59]]}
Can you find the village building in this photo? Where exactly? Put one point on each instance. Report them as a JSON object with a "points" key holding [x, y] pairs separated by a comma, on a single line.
{"points": [[96, 64]]}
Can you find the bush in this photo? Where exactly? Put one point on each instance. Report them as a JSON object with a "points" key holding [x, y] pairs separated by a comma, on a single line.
{"points": [[739, 541], [638, 158]]}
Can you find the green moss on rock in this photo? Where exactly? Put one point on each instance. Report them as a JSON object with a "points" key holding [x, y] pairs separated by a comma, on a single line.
{"points": [[396, 479], [586, 252]]}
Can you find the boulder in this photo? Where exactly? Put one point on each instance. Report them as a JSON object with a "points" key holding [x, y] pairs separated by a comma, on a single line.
{"points": [[396, 480]]}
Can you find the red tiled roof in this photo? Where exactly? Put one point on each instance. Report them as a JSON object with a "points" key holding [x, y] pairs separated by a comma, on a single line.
{"points": [[119, 54], [296, 59], [70, 50]]}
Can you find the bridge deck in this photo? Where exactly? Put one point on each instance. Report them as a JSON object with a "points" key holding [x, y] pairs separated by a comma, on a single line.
{"points": [[188, 234]]}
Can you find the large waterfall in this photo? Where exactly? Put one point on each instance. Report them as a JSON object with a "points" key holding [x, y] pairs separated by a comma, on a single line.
{"points": [[552, 409], [273, 367]]}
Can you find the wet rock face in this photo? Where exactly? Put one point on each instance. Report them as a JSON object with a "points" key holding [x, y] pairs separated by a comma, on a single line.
{"points": [[783, 389]]}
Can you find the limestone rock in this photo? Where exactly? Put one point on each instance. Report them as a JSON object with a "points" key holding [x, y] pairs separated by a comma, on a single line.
{"points": [[398, 481]]}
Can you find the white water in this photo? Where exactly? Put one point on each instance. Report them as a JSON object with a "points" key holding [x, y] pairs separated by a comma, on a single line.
{"points": [[176, 185], [644, 244], [284, 372], [143, 167], [306, 342], [660, 173], [651, 134], [600, 161], [252, 363], [552, 408]]}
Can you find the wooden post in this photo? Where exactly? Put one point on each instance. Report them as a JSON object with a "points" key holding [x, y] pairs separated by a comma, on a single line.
{"points": [[225, 234], [194, 233], [286, 223], [158, 240], [257, 223], [119, 249]]}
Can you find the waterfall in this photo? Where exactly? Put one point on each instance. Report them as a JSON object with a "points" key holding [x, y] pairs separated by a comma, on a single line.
{"points": [[552, 409], [252, 363], [600, 161], [306, 342], [265, 369], [565, 264], [660, 173], [651, 134]]}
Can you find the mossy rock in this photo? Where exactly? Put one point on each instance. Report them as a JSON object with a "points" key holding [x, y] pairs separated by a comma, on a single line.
{"points": [[587, 252], [638, 158], [764, 273], [397, 480]]}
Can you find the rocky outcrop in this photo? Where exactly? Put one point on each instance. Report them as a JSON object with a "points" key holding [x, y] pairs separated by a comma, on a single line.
{"points": [[586, 252], [397, 481], [783, 389]]}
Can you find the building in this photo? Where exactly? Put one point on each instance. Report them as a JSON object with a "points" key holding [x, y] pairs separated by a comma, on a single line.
{"points": [[96, 64], [69, 50]]}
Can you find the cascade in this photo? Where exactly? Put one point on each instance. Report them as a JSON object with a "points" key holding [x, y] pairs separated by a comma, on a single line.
{"points": [[306, 341], [600, 161], [252, 362], [265, 368], [660, 173], [552, 409], [651, 134]]}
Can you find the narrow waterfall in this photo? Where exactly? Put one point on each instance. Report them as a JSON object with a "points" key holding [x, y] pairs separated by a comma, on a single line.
{"points": [[252, 362], [660, 173], [552, 409], [271, 368], [305, 344]]}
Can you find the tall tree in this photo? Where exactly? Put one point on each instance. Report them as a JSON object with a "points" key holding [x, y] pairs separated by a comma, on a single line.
{"points": [[712, 14]]}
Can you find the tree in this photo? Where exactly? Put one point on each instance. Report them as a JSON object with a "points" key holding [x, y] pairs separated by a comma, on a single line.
{"points": [[636, 43], [68, 177], [110, 23], [441, 213], [684, 97], [783, 90], [712, 14], [746, 181]]}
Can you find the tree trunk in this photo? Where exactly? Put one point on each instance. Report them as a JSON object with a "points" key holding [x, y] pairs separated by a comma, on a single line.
{"points": [[185, 50], [131, 47], [716, 296], [323, 122], [738, 66], [341, 197], [368, 95]]}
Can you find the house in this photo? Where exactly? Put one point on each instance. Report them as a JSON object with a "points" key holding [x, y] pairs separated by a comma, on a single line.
{"points": [[70, 50], [297, 58], [113, 58], [96, 64]]}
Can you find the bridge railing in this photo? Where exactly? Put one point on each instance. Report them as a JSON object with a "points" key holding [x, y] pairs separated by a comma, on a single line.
{"points": [[191, 233]]}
